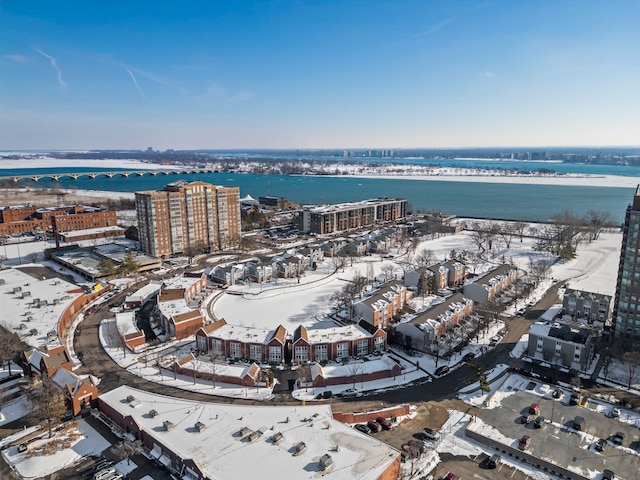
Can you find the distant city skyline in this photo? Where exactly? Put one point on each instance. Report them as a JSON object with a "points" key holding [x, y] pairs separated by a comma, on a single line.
{"points": [[318, 75]]}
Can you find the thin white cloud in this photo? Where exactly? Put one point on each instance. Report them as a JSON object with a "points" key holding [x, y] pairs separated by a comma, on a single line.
{"points": [[54, 64], [242, 96], [488, 74], [435, 28], [160, 80], [135, 82], [16, 58]]}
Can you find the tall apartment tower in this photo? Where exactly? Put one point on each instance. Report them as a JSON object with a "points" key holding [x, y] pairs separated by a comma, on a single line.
{"points": [[626, 308], [187, 217]]}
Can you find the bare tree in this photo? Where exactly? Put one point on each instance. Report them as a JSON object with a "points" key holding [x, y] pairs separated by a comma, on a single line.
{"points": [[519, 228], [506, 231], [354, 370], [387, 270], [303, 375], [10, 346], [424, 257], [48, 399], [632, 365], [596, 221], [126, 449]]}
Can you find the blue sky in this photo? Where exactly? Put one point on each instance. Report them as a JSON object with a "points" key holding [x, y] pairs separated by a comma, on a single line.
{"points": [[318, 74]]}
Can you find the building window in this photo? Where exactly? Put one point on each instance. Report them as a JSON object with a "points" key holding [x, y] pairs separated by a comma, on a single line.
{"points": [[235, 350], [378, 343], [255, 352], [217, 347], [301, 354], [342, 350], [275, 354], [539, 345], [576, 354], [363, 347], [201, 343], [321, 353], [558, 346]]}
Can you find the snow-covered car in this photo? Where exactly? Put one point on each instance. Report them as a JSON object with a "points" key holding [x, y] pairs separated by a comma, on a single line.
{"points": [[614, 413]]}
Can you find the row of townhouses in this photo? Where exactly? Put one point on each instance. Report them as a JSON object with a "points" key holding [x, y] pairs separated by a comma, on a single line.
{"points": [[222, 340], [294, 262], [434, 322], [447, 274], [592, 307]]}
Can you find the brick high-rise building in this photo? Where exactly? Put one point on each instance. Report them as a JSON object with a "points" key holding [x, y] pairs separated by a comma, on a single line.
{"points": [[188, 217], [626, 307]]}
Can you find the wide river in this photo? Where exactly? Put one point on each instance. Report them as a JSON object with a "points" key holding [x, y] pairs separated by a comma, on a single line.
{"points": [[464, 198]]}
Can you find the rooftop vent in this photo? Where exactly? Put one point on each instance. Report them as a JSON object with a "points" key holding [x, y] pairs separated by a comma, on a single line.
{"points": [[153, 413], [299, 448], [130, 398], [2, 281], [26, 294], [200, 426], [17, 289], [244, 431], [277, 439], [253, 436], [326, 462], [167, 425]]}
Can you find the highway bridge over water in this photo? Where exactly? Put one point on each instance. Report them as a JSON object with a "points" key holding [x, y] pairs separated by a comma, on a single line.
{"points": [[34, 177]]}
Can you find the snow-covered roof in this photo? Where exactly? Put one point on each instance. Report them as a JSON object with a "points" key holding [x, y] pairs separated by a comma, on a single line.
{"points": [[220, 451], [336, 334], [150, 288], [20, 308], [243, 334], [126, 322]]}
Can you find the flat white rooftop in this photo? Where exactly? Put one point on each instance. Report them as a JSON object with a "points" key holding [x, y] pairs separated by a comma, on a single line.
{"points": [[242, 334], [322, 334], [221, 452], [19, 309]]}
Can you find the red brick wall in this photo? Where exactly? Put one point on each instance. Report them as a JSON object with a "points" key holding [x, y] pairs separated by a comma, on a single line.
{"points": [[72, 310], [364, 417]]}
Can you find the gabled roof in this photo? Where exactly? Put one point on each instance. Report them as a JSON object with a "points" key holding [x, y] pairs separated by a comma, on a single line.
{"points": [[370, 328], [301, 332], [279, 334], [213, 326], [440, 310], [186, 316], [499, 271]]}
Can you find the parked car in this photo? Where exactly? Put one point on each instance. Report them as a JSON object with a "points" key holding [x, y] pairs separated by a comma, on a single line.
{"points": [[450, 476], [538, 422], [526, 418], [600, 445], [374, 426], [573, 400], [557, 393], [468, 357], [524, 442], [614, 413], [364, 428], [578, 423], [608, 475], [534, 408], [618, 438], [443, 370], [430, 433], [386, 424], [493, 461], [350, 392]]}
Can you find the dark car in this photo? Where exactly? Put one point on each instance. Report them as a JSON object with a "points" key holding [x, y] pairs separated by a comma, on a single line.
{"points": [[430, 433], [450, 476], [618, 438], [386, 424], [538, 422], [557, 393], [608, 475], [600, 445], [364, 428], [374, 426], [468, 357], [524, 442], [443, 370], [493, 461], [573, 400]]}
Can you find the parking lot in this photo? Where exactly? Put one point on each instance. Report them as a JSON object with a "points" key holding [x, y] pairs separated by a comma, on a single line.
{"points": [[557, 441]]}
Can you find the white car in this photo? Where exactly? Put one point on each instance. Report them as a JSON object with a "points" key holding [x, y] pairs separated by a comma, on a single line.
{"points": [[350, 392]]}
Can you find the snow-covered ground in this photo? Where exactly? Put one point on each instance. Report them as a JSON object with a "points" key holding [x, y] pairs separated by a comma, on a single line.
{"points": [[43, 161], [87, 442]]}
